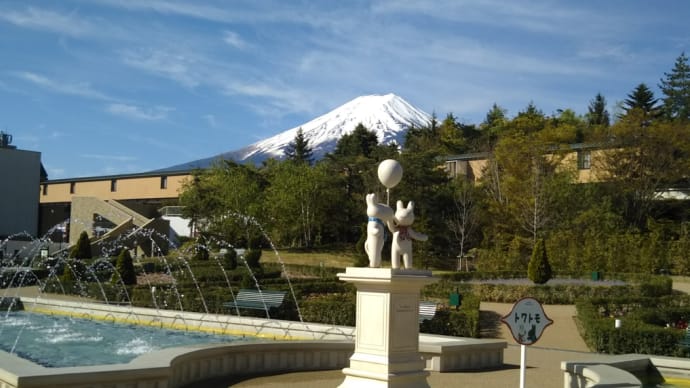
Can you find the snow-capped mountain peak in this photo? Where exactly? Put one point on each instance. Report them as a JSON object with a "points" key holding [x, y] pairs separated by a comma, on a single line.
{"points": [[388, 115]]}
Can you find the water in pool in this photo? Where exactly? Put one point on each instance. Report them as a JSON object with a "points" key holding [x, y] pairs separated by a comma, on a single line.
{"points": [[58, 341]]}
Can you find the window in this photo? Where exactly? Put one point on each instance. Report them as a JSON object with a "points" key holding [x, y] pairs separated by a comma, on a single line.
{"points": [[164, 182], [113, 185], [451, 169], [72, 186], [45, 189], [584, 160]]}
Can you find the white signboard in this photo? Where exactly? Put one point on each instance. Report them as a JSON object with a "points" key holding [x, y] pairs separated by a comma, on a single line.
{"points": [[527, 321]]}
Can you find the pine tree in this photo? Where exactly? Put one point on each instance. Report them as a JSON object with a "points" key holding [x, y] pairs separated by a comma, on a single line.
{"points": [[641, 99], [82, 250], [492, 126], [299, 150], [597, 113], [539, 269], [361, 142], [676, 89], [125, 267]]}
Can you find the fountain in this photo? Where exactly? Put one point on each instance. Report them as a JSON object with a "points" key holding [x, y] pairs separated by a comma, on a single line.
{"points": [[105, 301], [403, 359]]}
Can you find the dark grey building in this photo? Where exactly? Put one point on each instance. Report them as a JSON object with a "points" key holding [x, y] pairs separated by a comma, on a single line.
{"points": [[20, 181]]}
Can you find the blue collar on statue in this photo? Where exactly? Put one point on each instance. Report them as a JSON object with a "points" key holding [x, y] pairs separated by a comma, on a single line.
{"points": [[377, 220]]}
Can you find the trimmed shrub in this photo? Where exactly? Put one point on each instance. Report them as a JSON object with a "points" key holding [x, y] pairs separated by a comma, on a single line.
{"points": [[332, 309], [200, 252], [539, 269], [82, 250], [230, 259], [252, 256], [125, 267], [459, 323]]}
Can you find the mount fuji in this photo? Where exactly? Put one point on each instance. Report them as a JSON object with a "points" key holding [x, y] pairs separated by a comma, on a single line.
{"points": [[389, 116]]}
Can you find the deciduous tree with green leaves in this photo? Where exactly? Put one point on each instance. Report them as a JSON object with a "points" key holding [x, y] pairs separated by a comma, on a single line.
{"points": [[300, 200], [649, 156], [226, 201]]}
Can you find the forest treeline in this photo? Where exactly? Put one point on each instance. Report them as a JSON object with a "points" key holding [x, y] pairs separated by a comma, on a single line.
{"points": [[528, 190]]}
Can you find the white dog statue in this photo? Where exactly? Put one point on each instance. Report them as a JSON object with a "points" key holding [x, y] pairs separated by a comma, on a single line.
{"points": [[403, 234], [379, 215]]}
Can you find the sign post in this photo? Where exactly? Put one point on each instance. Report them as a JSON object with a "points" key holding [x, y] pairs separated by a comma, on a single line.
{"points": [[527, 321]]}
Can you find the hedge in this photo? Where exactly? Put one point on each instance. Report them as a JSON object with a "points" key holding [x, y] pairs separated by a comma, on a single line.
{"points": [[460, 323], [647, 286], [643, 328]]}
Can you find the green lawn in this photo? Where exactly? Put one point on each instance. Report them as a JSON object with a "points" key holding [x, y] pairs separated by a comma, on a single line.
{"points": [[329, 259]]}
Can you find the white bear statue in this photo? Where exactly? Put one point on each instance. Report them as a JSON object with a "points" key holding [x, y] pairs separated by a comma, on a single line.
{"points": [[403, 234], [379, 215]]}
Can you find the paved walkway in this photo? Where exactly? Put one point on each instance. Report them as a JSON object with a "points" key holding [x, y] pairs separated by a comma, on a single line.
{"points": [[559, 342]]}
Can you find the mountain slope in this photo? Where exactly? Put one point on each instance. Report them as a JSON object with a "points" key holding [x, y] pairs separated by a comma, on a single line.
{"points": [[388, 115]]}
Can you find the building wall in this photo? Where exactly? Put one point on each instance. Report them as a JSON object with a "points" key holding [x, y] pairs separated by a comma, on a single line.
{"points": [[470, 169], [116, 187], [593, 171], [587, 163], [20, 175]]}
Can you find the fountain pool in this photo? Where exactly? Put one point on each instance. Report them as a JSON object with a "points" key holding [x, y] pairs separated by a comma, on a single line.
{"points": [[59, 341]]}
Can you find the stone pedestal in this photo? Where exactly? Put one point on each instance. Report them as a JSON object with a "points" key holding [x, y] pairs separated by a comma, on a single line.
{"points": [[387, 332]]}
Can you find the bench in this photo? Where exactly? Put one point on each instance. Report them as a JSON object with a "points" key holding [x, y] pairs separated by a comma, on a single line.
{"points": [[256, 300], [427, 310]]}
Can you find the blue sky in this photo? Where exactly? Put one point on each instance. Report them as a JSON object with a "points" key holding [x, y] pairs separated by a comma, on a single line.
{"points": [[105, 87]]}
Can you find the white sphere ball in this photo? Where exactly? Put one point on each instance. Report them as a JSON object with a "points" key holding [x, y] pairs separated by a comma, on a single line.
{"points": [[390, 173]]}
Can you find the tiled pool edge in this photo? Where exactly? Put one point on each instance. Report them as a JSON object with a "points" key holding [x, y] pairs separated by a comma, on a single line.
{"points": [[322, 347], [622, 370], [177, 367]]}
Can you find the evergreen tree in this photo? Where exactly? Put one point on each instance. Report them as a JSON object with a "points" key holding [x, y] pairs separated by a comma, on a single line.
{"points": [[530, 120], [299, 150], [125, 267], [82, 250], [424, 138], [492, 126], [539, 269], [451, 136], [597, 113], [676, 89], [361, 142], [642, 100], [495, 117]]}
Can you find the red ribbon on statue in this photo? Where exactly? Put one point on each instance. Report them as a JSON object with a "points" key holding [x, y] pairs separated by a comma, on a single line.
{"points": [[403, 232]]}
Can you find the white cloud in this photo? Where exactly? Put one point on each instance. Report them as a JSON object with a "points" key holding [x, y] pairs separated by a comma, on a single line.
{"points": [[81, 89], [600, 50], [182, 67], [139, 113], [188, 9], [234, 39], [47, 20]]}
